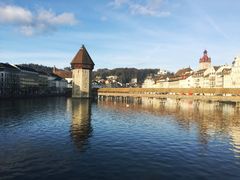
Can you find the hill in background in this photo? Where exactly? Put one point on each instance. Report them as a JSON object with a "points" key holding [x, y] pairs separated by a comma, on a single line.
{"points": [[124, 74]]}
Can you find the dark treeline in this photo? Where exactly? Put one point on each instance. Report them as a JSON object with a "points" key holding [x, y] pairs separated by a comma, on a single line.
{"points": [[125, 74], [40, 68]]}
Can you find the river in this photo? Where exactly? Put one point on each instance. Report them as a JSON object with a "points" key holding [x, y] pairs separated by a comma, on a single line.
{"points": [[64, 138]]}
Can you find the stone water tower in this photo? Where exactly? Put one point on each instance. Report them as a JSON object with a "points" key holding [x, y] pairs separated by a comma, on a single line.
{"points": [[82, 66]]}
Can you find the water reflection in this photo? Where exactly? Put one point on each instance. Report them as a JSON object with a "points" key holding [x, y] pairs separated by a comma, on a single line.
{"points": [[235, 134], [81, 122], [211, 119], [22, 111]]}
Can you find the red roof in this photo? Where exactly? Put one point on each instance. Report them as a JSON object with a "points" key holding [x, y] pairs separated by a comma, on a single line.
{"points": [[183, 71], [82, 60], [62, 73]]}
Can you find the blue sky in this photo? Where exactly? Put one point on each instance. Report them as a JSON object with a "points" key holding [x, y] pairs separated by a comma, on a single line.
{"points": [[168, 34]]}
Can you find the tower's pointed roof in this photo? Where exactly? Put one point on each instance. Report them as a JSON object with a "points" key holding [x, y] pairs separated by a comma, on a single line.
{"points": [[82, 59]]}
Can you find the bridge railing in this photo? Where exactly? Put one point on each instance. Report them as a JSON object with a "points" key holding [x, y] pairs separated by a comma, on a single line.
{"points": [[178, 91]]}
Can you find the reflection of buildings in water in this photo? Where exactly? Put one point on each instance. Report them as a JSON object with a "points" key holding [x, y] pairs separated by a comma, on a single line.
{"points": [[228, 110], [235, 140], [209, 118], [81, 121]]}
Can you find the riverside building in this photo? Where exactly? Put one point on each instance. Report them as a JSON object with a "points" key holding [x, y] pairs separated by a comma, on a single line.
{"points": [[206, 76], [20, 81], [9, 80]]}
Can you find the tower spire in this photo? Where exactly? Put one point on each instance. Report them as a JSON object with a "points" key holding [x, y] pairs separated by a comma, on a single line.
{"points": [[205, 61], [82, 60]]}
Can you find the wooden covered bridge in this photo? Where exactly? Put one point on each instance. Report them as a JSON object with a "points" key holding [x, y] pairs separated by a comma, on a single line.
{"points": [[205, 94]]}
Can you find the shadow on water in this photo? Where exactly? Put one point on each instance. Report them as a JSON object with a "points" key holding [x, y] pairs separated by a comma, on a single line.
{"points": [[81, 129], [211, 119]]}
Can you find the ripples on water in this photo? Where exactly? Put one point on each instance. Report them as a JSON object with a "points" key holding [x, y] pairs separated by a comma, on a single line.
{"points": [[59, 138]]}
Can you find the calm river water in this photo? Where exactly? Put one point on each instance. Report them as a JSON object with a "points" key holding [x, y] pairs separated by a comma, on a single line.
{"points": [[64, 138]]}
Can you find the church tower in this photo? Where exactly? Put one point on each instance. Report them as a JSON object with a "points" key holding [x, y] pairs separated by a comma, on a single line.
{"points": [[205, 61], [82, 66]]}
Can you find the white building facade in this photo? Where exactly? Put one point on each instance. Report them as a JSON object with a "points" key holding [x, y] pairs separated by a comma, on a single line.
{"points": [[207, 76]]}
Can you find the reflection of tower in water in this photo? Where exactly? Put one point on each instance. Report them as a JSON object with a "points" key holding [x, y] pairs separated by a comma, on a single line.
{"points": [[81, 121]]}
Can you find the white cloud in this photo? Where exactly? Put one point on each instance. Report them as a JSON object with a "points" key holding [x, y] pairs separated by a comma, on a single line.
{"points": [[49, 17], [26, 30], [30, 23], [149, 8], [216, 27], [118, 3], [14, 14], [103, 18]]}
